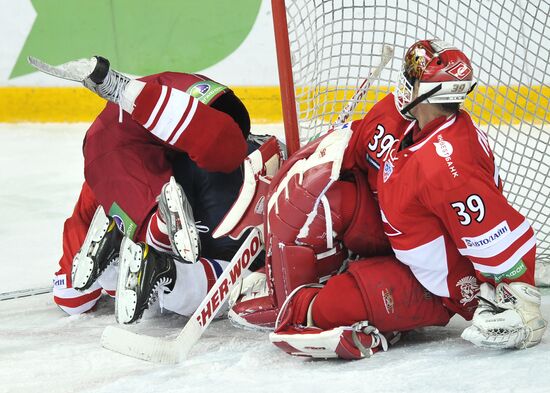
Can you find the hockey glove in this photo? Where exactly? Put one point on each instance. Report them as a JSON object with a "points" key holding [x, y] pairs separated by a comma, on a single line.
{"points": [[508, 317]]}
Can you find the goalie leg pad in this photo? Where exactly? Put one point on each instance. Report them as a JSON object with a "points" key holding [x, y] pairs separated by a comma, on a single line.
{"points": [[381, 290], [297, 335], [291, 266]]}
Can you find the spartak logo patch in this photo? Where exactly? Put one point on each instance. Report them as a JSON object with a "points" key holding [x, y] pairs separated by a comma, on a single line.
{"points": [[459, 70]]}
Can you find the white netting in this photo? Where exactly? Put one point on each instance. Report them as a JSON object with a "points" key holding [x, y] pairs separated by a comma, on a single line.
{"points": [[335, 43]]}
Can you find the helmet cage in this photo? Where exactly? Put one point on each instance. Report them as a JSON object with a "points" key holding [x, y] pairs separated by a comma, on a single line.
{"points": [[403, 93]]}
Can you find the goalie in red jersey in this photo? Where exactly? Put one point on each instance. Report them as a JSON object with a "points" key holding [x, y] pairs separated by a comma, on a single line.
{"points": [[164, 153], [417, 169]]}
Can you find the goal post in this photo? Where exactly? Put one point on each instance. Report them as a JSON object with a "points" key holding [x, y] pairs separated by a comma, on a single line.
{"points": [[326, 48]]}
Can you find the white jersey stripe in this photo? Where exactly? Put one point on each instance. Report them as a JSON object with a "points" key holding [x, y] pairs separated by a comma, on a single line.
{"points": [[483, 146], [172, 114], [510, 262], [160, 101], [428, 263], [497, 246], [496, 175], [194, 104]]}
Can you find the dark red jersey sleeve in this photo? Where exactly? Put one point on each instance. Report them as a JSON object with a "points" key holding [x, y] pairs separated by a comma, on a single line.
{"points": [[210, 137]]}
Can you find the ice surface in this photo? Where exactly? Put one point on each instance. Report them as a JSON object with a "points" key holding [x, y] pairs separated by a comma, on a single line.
{"points": [[42, 350]]}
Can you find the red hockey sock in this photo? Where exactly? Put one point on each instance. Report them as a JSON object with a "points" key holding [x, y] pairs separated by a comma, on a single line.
{"points": [[157, 234]]}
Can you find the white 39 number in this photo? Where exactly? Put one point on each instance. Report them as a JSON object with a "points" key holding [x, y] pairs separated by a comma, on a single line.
{"points": [[473, 205]]}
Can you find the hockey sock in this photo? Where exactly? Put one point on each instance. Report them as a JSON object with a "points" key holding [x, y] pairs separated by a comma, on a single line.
{"points": [[129, 95], [157, 234], [193, 281]]}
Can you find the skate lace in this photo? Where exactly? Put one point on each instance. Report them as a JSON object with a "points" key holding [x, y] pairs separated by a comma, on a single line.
{"points": [[159, 290], [201, 228], [112, 88]]}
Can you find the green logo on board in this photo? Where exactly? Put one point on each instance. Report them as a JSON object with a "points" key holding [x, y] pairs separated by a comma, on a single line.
{"points": [[139, 37]]}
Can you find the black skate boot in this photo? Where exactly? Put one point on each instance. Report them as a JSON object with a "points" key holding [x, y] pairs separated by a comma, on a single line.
{"points": [[176, 212], [95, 74], [100, 249], [144, 274]]}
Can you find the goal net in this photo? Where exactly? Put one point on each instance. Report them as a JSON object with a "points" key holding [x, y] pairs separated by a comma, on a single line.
{"points": [[327, 47]]}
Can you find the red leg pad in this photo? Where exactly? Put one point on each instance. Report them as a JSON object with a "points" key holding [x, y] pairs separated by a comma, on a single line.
{"points": [[291, 266], [381, 290]]}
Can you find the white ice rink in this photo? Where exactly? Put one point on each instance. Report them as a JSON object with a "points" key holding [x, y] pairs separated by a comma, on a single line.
{"points": [[42, 350]]}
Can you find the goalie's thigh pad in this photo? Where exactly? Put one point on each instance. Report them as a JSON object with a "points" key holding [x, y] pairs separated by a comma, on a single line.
{"points": [[364, 233], [381, 290]]}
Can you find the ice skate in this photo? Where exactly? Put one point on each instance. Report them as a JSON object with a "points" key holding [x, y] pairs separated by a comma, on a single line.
{"points": [[95, 74], [176, 212], [99, 250], [145, 274]]}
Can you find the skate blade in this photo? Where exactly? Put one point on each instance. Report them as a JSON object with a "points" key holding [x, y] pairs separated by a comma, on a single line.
{"points": [[83, 264], [173, 195], [186, 244], [126, 298], [185, 240]]}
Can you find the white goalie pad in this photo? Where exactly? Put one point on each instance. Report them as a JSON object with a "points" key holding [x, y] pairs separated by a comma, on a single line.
{"points": [[247, 211]]}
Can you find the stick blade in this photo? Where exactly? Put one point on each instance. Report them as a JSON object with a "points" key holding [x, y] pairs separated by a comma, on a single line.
{"points": [[77, 70], [152, 349]]}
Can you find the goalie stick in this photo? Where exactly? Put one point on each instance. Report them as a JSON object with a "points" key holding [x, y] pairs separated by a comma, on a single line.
{"points": [[162, 350], [385, 57]]}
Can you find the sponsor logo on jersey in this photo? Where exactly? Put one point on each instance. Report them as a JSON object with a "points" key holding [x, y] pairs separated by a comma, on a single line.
{"points": [[199, 90], [488, 238], [469, 288], [119, 222], [445, 150], [60, 282], [515, 272], [205, 91], [123, 220], [388, 170], [388, 300], [459, 70]]}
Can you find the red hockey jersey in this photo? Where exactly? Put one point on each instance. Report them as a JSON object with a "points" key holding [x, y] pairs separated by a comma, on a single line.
{"points": [[126, 163], [442, 203]]}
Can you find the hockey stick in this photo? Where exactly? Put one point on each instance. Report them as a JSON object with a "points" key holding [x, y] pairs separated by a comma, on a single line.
{"points": [[24, 293], [386, 56], [162, 350]]}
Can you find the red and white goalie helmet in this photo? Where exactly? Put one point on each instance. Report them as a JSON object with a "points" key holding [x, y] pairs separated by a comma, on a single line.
{"points": [[433, 63]]}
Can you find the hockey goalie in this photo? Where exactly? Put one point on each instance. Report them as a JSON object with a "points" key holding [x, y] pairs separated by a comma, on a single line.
{"points": [[406, 205]]}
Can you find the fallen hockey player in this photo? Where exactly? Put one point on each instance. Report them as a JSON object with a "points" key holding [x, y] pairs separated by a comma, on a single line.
{"points": [[163, 155]]}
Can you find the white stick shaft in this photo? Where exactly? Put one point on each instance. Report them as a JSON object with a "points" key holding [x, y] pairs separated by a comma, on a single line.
{"points": [[386, 56], [158, 349]]}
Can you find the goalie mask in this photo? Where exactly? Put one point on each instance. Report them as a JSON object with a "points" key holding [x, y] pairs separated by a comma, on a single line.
{"points": [[444, 74]]}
